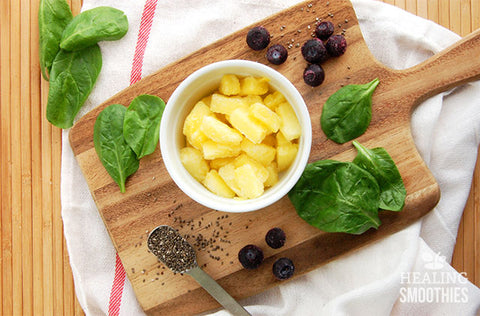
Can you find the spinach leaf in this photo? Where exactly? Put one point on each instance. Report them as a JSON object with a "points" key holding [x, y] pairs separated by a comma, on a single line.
{"points": [[53, 17], [114, 153], [72, 79], [337, 196], [379, 163], [348, 112], [92, 26], [142, 124]]}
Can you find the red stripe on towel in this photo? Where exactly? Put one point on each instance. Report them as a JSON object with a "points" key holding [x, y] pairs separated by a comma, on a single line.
{"points": [[136, 74]]}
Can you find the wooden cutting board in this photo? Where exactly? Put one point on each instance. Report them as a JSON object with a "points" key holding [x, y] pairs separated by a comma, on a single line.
{"points": [[153, 199]]}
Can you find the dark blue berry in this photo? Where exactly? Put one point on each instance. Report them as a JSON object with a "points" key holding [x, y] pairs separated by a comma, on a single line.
{"points": [[314, 51], [258, 38], [275, 238], [313, 75], [283, 268], [277, 54], [250, 256], [324, 30], [336, 45]]}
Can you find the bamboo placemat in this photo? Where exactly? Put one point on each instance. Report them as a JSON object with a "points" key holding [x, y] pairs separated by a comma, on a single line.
{"points": [[35, 276]]}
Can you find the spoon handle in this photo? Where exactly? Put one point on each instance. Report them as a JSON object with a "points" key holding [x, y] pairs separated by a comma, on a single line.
{"points": [[215, 290]]}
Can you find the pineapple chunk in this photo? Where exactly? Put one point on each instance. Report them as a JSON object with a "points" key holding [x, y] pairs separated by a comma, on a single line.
{"points": [[193, 161], [256, 86], [282, 140], [207, 100], [220, 162], [289, 126], [229, 85], [270, 140], [272, 175], [274, 99], [195, 117], [213, 150], [220, 132], [196, 139], [286, 155], [251, 99], [266, 116], [249, 184], [226, 105], [262, 153], [260, 171], [248, 126], [215, 184], [227, 173]]}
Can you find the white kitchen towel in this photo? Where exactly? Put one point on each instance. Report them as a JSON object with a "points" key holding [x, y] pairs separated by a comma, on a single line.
{"points": [[404, 274]]}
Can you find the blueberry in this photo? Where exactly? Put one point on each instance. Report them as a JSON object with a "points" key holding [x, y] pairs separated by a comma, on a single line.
{"points": [[258, 38], [250, 256], [275, 238], [283, 268], [324, 30], [314, 51], [313, 75], [336, 45], [277, 54]]}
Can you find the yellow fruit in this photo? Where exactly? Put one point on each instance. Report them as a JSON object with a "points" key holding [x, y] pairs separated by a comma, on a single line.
{"points": [[289, 126], [251, 99], [248, 126], [219, 132], [272, 175], [229, 85], [215, 184], [262, 153], [256, 86], [274, 99], [266, 116], [193, 161], [227, 173], [195, 118], [260, 171], [270, 140], [286, 155], [220, 162], [225, 105], [249, 184], [212, 150], [196, 139]]}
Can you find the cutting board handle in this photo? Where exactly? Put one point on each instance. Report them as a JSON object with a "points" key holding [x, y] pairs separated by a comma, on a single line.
{"points": [[455, 65]]}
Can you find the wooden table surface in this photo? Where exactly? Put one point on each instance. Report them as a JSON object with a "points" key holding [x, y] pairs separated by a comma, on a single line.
{"points": [[35, 275]]}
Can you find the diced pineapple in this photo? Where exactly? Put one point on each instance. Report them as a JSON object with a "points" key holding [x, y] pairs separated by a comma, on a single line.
{"points": [[248, 126], [274, 99], [212, 150], [220, 132], [225, 105], [270, 140], [249, 184], [227, 173], [256, 86], [289, 126], [262, 153], [229, 85], [207, 100], [251, 99], [195, 117], [266, 116], [286, 155], [282, 140], [260, 170], [196, 139], [215, 184], [193, 161], [220, 162], [272, 175]]}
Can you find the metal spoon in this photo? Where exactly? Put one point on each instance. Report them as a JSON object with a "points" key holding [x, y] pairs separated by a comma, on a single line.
{"points": [[179, 256]]}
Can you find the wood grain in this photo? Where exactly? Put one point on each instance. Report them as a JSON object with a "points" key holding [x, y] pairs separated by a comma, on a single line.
{"points": [[40, 178]]}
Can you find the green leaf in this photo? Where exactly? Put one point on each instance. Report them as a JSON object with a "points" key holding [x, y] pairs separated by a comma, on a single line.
{"points": [[116, 156], [142, 124], [72, 79], [53, 17], [348, 112], [337, 197], [93, 26], [379, 163]]}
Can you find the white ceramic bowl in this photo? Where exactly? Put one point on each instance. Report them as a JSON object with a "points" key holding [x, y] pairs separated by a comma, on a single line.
{"points": [[198, 85]]}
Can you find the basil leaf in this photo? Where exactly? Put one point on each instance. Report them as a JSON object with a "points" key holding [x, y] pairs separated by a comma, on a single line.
{"points": [[142, 124], [92, 26], [337, 197], [379, 163], [348, 112], [53, 17], [72, 79], [114, 153]]}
